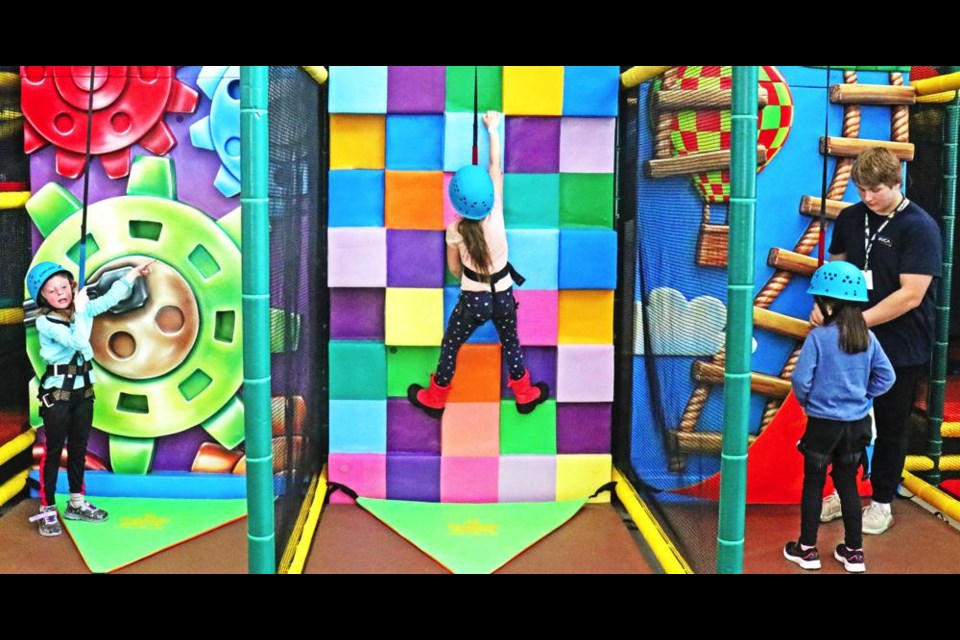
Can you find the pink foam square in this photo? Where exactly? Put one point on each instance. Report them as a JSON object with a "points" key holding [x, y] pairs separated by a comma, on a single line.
{"points": [[537, 316], [468, 479], [365, 473]]}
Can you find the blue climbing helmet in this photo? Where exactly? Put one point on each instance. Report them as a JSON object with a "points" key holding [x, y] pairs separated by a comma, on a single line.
{"points": [[840, 280], [40, 273], [471, 192]]}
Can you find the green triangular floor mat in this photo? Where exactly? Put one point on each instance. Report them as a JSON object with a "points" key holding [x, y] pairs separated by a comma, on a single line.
{"points": [[472, 538], [141, 527]]}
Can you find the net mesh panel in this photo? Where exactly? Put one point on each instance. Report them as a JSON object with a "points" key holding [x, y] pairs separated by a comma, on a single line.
{"points": [[14, 260], [13, 166], [660, 222], [925, 187], [298, 169]]}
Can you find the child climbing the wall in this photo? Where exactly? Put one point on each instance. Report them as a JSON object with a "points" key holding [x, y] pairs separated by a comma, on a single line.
{"points": [[841, 368], [477, 254], [64, 323]]}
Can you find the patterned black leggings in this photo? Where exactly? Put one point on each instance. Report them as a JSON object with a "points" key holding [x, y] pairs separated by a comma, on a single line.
{"points": [[472, 310]]}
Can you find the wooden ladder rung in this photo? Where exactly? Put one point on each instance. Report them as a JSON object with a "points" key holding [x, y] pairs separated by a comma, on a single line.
{"points": [[810, 206], [762, 383], [695, 163], [779, 323], [872, 94], [702, 442], [791, 261], [852, 147], [699, 99]]}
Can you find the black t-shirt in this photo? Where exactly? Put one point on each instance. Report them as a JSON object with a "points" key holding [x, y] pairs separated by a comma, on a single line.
{"points": [[909, 243]]}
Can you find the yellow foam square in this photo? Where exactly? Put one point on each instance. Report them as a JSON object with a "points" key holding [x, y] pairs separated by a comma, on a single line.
{"points": [[533, 91], [414, 317], [357, 141], [580, 475], [586, 317]]}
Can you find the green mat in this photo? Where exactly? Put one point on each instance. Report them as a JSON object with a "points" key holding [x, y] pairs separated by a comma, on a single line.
{"points": [[472, 538], [141, 527]]}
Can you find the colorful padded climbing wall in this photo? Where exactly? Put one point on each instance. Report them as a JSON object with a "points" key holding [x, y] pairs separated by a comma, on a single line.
{"points": [[397, 135]]}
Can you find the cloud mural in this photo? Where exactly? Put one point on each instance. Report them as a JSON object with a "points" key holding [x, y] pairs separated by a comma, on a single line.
{"points": [[679, 327]]}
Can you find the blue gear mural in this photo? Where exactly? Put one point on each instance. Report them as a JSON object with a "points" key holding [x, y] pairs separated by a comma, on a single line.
{"points": [[220, 131]]}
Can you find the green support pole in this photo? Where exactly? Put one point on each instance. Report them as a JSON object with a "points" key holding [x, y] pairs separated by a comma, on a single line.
{"points": [[938, 370], [254, 201], [736, 384]]}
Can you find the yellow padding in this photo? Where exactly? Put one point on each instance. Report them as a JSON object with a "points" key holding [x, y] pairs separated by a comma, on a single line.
{"points": [[950, 430], [13, 199], [319, 493], [11, 315], [13, 486], [533, 91], [585, 317], [579, 475], [319, 74], [638, 75], [937, 98], [937, 84], [932, 496], [669, 556], [357, 141], [8, 80], [17, 446], [923, 463], [414, 317]]}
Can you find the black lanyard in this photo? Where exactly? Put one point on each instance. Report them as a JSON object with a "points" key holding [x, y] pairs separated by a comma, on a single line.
{"points": [[868, 240]]}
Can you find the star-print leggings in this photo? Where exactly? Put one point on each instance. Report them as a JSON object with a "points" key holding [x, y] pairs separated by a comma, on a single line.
{"points": [[472, 310]]}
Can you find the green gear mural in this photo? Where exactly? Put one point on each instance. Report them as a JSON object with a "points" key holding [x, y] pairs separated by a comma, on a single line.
{"points": [[188, 350]]}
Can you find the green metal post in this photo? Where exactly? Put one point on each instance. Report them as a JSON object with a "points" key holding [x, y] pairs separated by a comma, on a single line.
{"points": [[736, 385], [938, 371], [254, 201]]}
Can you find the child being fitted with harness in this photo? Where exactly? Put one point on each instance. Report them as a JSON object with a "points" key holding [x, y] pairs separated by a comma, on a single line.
{"points": [[64, 323], [477, 254], [841, 368]]}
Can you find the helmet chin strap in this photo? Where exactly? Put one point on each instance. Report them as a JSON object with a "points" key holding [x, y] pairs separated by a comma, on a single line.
{"points": [[823, 309]]}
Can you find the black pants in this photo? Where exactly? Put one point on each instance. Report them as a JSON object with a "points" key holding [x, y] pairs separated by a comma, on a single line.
{"points": [[840, 443], [890, 450], [66, 421], [472, 310]]}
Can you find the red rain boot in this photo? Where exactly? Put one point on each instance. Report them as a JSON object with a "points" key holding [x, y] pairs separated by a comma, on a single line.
{"points": [[431, 400], [528, 396]]}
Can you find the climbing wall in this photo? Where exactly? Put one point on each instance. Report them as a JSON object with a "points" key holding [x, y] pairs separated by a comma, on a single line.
{"points": [[397, 135]]}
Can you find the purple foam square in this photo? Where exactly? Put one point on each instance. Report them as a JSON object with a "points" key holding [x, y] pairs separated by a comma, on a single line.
{"points": [[528, 478], [583, 427], [542, 363], [587, 145], [413, 477], [416, 89], [410, 430], [533, 145], [356, 314], [415, 258]]}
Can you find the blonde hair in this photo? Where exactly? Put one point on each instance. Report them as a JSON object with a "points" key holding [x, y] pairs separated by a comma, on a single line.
{"points": [[476, 244], [875, 167]]}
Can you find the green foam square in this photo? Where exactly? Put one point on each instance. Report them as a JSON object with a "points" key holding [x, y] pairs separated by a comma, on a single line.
{"points": [[586, 200], [534, 432]]}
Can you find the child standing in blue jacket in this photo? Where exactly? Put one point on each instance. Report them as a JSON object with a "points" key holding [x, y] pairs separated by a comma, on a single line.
{"points": [[64, 323], [841, 368]]}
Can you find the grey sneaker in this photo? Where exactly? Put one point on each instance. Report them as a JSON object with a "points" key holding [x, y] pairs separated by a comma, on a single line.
{"points": [[86, 512], [830, 509], [49, 522], [876, 518]]}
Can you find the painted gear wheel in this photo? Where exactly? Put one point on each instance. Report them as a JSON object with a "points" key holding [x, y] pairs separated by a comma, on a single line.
{"points": [[177, 361], [128, 108], [220, 131]]}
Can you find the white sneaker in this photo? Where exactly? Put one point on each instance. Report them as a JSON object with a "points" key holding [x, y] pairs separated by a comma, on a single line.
{"points": [[830, 509], [877, 518]]}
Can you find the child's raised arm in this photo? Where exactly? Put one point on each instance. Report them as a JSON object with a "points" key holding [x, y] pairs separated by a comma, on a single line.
{"points": [[491, 120]]}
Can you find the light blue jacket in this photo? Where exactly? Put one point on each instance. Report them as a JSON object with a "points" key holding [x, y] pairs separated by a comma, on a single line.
{"points": [[59, 342]]}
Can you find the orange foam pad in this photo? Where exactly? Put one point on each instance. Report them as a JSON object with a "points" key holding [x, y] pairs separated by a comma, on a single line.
{"points": [[477, 378], [414, 200], [471, 429]]}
